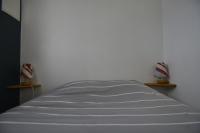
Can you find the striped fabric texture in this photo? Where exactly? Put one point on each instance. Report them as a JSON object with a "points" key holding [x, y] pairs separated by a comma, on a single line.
{"points": [[101, 107]]}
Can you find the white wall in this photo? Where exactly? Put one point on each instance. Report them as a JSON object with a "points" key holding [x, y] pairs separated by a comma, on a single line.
{"points": [[68, 40], [12, 7], [181, 39]]}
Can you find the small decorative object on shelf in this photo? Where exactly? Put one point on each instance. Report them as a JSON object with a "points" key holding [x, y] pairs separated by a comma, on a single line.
{"points": [[26, 74], [161, 73], [26, 78]]}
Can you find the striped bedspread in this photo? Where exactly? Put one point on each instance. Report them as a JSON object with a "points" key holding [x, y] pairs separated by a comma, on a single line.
{"points": [[101, 107]]}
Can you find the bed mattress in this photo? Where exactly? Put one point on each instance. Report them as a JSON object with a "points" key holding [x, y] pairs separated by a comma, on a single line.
{"points": [[101, 107]]}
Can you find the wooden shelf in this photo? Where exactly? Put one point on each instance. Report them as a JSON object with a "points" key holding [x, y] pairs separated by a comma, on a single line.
{"points": [[164, 86], [23, 86]]}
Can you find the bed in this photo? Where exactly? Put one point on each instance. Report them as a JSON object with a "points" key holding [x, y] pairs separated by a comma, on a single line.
{"points": [[101, 107]]}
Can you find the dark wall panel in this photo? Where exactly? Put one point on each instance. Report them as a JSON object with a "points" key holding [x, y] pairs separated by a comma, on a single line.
{"points": [[0, 4], [10, 61]]}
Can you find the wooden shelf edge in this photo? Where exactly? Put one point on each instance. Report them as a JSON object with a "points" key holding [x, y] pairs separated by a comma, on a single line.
{"points": [[170, 85], [24, 86]]}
